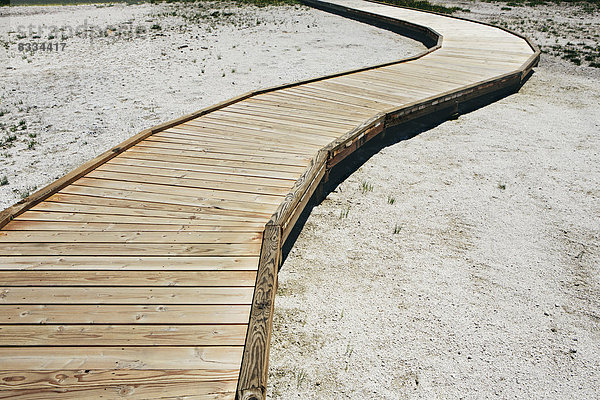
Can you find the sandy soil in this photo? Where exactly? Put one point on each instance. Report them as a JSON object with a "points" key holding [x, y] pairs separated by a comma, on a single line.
{"points": [[129, 67], [481, 280]]}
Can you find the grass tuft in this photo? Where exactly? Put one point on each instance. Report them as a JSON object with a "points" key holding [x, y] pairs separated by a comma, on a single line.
{"points": [[425, 5], [344, 212]]}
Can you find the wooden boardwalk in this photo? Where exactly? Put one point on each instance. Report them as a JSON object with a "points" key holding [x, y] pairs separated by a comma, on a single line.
{"points": [[150, 272]]}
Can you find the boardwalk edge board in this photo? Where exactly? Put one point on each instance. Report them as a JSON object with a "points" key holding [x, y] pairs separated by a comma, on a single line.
{"points": [[252, 380]]}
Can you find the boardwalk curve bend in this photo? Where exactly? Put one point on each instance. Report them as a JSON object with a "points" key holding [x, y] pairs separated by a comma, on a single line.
{"points": [[150, 272]]}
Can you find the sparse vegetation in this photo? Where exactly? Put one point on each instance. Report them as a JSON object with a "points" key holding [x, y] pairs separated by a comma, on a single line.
{"points": [[347, 355], [8, 141], [397, 229], [300, 378], [107, 3], [589, 5], [391, 200], [344, 212], [425, 5], [4, 180], [366, 187], [24, 193]]}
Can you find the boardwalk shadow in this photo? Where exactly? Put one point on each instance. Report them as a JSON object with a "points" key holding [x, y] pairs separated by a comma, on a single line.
{"points": [[390, 136]]}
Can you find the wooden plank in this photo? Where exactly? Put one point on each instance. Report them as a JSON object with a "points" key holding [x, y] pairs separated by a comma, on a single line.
{"points": [[343, 97], [129, 263], [204, 204], [177, 165], [95, 384], [197, 179], [75, 213], [241, 155], [20, 278], [222, 129], [141, 206], [133, 295], [208, 196], [57, 224], [346, 88], [225, 165], [255, 364], [122, 314], [197, 139], [298, 112], [131, 249], [287, 120], [122, 335], [287, 102], [136, 358], [412, 90], [130, 237], [130, 384], [219, 390], [274, 127], [302, 95]]}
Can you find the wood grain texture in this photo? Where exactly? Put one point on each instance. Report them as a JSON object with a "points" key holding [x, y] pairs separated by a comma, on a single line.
{"points": [[59, 314], [122, 335], [146, 278], [252, 383]]}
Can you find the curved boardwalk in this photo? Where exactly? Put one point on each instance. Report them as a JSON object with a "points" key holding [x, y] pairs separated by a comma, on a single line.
{"points": [[150, 272]]}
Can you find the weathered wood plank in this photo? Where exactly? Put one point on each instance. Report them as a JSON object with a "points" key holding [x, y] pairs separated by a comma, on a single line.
{"points": [[122, 335], [56, 222], [123, 314], [43, 236], [131, 249], [9, 278], [255, 365], [132, 295], [126, 358], [130, 384], [129, 263]]}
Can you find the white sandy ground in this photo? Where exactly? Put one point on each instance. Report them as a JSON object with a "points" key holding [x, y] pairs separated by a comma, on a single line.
{"points": [[101, 90], [491, 286]]}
